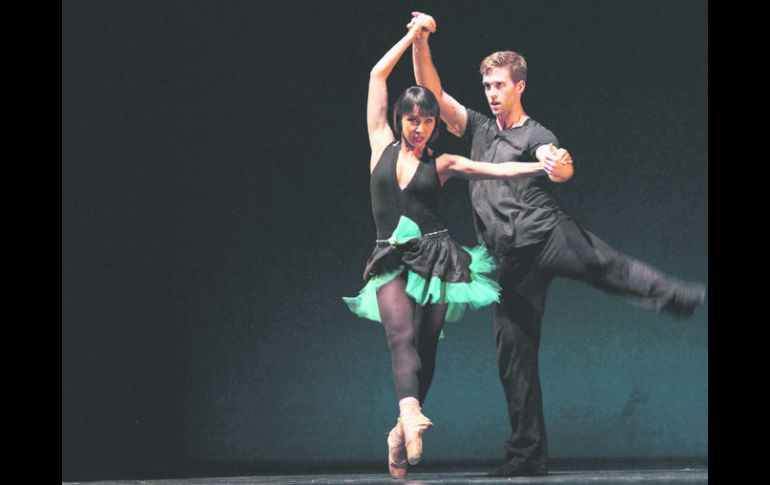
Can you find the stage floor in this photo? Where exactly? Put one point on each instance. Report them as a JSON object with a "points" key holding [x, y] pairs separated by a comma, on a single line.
{"points": [[695, 475]]}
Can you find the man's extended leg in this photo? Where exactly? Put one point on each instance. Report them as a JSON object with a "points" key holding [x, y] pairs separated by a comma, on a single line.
{"points": [[579, 254]]}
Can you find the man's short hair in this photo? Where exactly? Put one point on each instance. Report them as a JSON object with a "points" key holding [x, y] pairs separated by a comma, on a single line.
{"points": [[515, 62]]}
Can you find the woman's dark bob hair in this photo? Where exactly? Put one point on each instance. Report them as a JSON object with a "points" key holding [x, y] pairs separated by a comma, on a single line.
{"points": [[424, 100]]}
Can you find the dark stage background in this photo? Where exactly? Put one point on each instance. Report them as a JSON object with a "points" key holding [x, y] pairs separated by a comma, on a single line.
{"points": [[215, 208]]}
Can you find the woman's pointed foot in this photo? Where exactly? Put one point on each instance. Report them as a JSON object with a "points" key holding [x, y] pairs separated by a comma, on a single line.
{"points": [[414, 425], [397, 461]]}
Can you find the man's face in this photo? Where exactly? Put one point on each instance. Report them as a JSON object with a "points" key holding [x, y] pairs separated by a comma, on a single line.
{"points": [[502, 93]]}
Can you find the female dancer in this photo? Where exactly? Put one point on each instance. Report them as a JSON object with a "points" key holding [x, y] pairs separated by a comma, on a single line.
{"points": [[417, 276]]}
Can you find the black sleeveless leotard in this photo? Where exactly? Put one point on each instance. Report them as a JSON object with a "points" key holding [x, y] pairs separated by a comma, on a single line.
{"points": [[435, 254], [436, 268], [418, 201]]}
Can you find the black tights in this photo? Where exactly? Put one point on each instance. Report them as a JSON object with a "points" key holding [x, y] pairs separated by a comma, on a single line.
{"points": [[412, 332]]}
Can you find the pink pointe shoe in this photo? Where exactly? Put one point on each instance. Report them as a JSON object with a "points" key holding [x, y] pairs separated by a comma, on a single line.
{"points": [[397, 465], [414, 426]]}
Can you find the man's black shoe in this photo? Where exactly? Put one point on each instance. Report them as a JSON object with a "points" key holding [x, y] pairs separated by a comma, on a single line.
{"points": [[682, 304], [518, 468]]}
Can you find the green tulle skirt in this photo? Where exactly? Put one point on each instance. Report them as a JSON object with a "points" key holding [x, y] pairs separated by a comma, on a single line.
{"points": [[438, 270]]}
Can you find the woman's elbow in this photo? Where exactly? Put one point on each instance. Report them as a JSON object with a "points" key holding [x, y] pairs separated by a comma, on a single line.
{"points": [[377, 73]]}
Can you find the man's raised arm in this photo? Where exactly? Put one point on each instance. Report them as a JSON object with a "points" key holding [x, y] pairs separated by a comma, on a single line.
{"points": [[425, 74]]}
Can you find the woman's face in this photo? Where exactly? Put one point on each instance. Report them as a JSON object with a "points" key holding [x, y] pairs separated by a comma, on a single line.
{"points": [[416, 129]]}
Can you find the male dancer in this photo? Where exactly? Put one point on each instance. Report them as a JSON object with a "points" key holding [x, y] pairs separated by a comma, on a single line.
{"points": [[533, 241]]}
